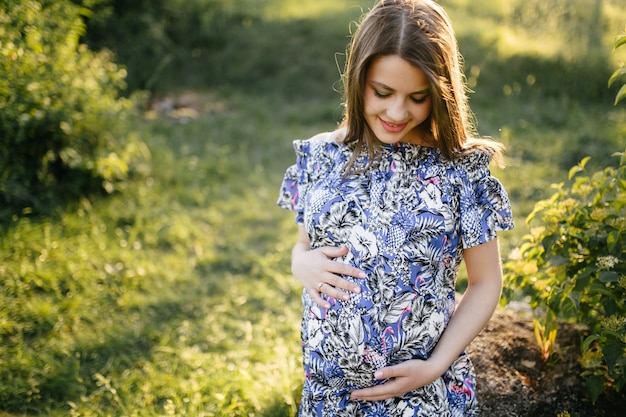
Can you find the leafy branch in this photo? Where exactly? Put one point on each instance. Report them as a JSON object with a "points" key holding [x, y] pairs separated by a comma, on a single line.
{"points": [[619, 73]]}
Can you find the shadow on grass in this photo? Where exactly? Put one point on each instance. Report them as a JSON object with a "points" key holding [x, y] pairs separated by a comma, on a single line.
{"points": [[49, 377]]}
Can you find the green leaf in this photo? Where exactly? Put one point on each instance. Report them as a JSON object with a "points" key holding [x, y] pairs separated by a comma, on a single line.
{"points": [[583, 162], [621, 94], [595, 386], [568, 307], [573, 171], [574, 296], [559, 260], [612, 353], [548, 241], [610, 306], [612, 239], [617, 74], [588, 341], [598, 288], [583, 279], [608, 276], [620, 40]]}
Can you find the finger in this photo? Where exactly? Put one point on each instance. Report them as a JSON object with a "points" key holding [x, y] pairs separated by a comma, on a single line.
{"points": [[383, 391], [345, 269], [380, 392], [389, 372], [337, 292], [334, 251], [338, 286], [317, 298], [340, 268]]}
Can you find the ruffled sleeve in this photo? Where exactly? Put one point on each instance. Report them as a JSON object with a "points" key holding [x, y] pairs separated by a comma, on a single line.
{"points": [[315, 159], [485, 205]]}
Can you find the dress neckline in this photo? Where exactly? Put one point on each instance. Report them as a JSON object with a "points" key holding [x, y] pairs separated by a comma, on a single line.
{"points": [[408, 149]]}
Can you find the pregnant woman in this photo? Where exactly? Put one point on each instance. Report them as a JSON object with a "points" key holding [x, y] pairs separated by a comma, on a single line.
{"points": [[388, 206]]}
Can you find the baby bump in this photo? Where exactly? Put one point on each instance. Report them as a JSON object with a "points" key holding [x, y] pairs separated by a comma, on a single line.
{"points": [[344, 345], [340, 351]]}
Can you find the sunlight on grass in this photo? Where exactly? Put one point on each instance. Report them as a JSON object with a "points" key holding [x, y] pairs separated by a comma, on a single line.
{"points": [[289, 9], [514, 40], [177, 300], [568, 28]]}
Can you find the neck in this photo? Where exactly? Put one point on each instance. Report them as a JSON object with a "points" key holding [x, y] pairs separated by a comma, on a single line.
{"points": [[420, 137]]}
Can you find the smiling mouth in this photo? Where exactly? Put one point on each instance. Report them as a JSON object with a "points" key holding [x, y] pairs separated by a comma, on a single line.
{"points": [[392, 127]]}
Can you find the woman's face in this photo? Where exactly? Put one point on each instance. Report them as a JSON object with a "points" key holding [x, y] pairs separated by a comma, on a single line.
{"points": [[396, 100]]}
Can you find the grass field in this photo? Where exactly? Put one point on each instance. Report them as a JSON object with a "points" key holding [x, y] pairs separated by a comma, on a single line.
{"points": [[173, 297]]}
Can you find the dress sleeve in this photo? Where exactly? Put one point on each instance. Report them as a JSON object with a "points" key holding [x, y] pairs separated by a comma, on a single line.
{"points": [[295, 182], [485, 205], [315, 158]]}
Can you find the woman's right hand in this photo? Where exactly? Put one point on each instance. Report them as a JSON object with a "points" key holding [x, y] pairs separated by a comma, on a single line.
{"points": [[320, 274]]}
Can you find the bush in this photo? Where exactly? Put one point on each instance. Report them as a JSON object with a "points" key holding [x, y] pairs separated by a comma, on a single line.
{"points": [[167, 43], [60, 115], [572, 267]]}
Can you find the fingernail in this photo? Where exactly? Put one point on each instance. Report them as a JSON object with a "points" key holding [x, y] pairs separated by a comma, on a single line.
{"points": [[378, 374], [357, 290], [362, 275]]}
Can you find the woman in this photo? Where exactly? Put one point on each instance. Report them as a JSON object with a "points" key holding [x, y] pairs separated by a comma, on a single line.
{"points": [[388, 206]]}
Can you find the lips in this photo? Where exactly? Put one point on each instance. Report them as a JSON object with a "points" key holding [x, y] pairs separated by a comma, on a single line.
{"points": [[393, 127]]}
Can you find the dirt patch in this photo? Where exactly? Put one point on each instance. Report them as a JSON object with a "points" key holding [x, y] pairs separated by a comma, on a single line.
{"points": [[513, 381]]}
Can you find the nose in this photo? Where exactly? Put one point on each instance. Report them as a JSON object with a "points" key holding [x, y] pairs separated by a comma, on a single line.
{"points": [[397, 111]]}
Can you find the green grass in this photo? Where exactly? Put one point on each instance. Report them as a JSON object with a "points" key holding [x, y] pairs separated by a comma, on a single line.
{"points": [[173, 297]]}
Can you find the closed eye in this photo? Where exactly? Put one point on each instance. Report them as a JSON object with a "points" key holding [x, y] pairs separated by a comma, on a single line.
{"points": [[380, 94], [419, 100]]}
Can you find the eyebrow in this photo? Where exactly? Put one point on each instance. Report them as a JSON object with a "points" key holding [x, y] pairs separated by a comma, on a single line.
{"points": [[386, 87]]}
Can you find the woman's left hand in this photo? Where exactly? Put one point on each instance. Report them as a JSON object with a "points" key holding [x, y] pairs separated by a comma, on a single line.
{"points": [[403, 378]]}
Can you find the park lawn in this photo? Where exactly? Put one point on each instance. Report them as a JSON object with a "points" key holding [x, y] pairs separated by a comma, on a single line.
{"points": [[171, 297]]}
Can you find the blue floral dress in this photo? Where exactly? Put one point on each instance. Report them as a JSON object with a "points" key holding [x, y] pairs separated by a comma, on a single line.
{"points": [[405, 220]]}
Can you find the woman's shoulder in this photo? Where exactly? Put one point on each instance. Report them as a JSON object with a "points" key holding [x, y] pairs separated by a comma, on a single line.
{"points": [[474, 156], [481, 151], [473, 162], [336, 136], [321, 143]]}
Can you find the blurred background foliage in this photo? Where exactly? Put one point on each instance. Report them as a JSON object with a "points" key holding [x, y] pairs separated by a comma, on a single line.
{"points": [[258, 44], [555, 48], [542, 64], [61, 118], [85, 65]]}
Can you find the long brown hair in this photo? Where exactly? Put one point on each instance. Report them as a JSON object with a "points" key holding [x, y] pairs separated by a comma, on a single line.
{"points": [[420, 32]]}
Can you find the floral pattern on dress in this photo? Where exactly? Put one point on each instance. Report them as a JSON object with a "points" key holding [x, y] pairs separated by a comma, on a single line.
{"points": [[406, 219]]}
